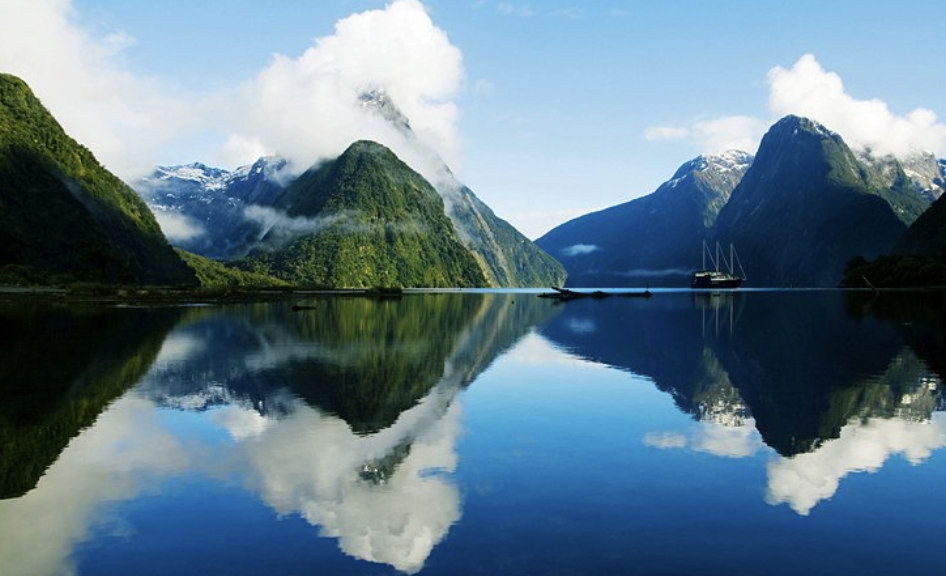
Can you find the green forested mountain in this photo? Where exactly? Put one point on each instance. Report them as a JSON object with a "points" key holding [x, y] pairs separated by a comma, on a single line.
{"points": [[62, 214], [365, 219], [214, 274]]}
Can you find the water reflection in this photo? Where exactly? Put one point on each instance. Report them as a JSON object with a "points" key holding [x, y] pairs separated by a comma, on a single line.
{"points": [[345, 415], [59, 368], [833, 383]]}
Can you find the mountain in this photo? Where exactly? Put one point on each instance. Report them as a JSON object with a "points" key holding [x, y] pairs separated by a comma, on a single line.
{"points": [[909, 185], [927, 235], [364, 219], [506, 257], [204, 210], [62, 215], [805, 207], [654, 239], [224, 215]]}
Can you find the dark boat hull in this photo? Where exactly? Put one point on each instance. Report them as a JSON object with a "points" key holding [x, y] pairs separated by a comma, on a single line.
{"points": [[715, 281]]}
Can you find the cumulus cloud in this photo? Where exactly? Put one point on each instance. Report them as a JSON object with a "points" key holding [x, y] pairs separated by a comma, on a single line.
{"points": [[307, 108], [78, 74], [807, 479], [807, 89]]}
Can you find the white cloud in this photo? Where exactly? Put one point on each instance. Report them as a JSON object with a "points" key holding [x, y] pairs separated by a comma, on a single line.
{"points": [[666, 133], [807, 479], [727, 441], [307, 108], [665, 440], [579, 249], [122, 117], [398, 523], [483, 87], [807, 89], [714, 136], [178, 227]]}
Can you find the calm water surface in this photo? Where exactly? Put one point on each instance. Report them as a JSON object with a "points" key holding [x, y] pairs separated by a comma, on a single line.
{"points": [[755, 433]]}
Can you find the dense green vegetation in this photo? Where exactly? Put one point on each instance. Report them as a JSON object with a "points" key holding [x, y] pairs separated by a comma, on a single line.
{"points": [[62, 215], [896, 271], [213, 274], [371, 221]]}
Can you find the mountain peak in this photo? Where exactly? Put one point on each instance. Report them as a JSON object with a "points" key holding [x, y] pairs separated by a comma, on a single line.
{"points": [[792, 126], [378, 101]]}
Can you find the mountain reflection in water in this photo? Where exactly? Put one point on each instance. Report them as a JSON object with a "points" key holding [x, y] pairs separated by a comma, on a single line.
{"points": [[834, 382], [351, 419], [345, 414]]}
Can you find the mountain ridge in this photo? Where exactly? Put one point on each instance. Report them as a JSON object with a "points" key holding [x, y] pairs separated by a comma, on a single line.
{"points": [[654, 238], [62, 214]]}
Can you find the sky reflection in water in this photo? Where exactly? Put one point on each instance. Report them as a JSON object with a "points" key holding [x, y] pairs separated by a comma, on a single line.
{"points": [[499, 433]]}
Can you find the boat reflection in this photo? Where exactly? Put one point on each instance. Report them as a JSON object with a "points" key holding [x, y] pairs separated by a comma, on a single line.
{"points": [[831, 383]]}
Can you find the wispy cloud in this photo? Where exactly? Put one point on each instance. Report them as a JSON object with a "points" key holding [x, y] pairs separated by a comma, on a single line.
{"points": [[716, 135], [579, 249], [509, 9], [571, 13]]}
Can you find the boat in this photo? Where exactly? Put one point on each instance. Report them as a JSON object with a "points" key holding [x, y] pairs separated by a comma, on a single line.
{"points": [[714, 278]]}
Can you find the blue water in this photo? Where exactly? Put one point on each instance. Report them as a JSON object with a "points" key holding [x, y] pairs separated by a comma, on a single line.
{"points": [[761, 433]]}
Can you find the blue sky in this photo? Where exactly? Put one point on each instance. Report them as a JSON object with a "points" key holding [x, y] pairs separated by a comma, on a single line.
{"points": [[545, 109]]}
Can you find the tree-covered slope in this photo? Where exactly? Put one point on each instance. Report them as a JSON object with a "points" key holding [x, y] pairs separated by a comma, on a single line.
{"points": [[62, 214], [364, 219]]}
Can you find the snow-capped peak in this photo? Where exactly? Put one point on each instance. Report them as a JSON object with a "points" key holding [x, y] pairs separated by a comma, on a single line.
{"points": [[377, 100], [727, 161]]}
